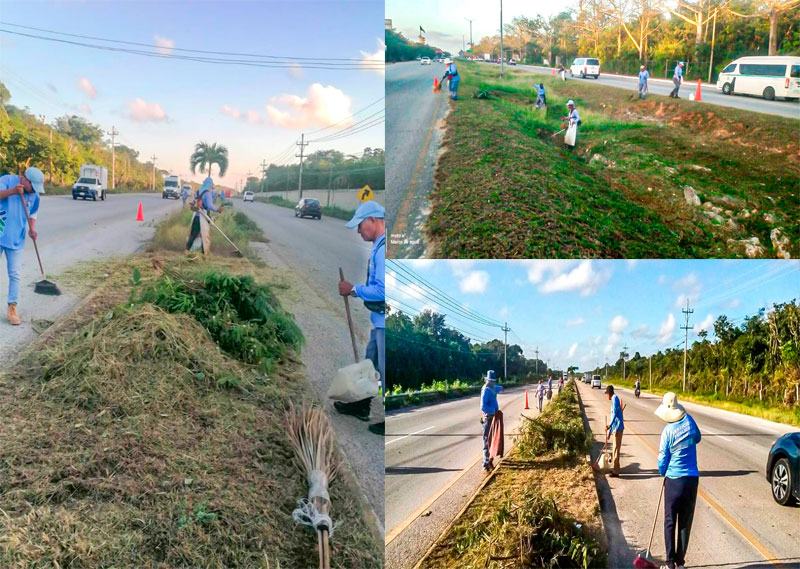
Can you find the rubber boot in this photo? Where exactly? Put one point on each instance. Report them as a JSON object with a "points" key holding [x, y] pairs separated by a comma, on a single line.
{"points": [[13, 318]]}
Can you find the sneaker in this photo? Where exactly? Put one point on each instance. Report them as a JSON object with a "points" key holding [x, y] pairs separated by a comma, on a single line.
{"points": [[362, 414], [378, 428]]}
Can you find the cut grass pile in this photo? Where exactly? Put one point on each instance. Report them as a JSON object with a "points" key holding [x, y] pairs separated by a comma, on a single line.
{"points": [[132, 438], [172, 233], [505, 187], [329, 210], [540, 509]]}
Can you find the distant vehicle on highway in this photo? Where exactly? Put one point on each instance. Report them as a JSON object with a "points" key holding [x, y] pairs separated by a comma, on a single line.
{"points": [[425, 61], [92, 183], [308, 207], [248, 197], [783, 469], [171, 187], [584, 67], [512, 61], [767, 77], [596, 382]]}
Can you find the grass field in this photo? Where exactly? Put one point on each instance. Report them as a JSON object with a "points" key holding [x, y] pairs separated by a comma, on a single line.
{"points": [[506, 188]]}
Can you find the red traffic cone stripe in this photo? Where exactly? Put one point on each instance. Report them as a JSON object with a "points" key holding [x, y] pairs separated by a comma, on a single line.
{"points": [[554, 71], [526, 399], [140, 213], [697, 95]]}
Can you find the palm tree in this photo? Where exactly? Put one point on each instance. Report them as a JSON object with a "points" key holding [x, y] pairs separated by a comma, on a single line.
{"points": [[210, 154]]}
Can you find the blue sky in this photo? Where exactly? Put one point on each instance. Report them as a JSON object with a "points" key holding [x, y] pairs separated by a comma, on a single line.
{"points": [[165, 106], [579, 312], [444, 21]]}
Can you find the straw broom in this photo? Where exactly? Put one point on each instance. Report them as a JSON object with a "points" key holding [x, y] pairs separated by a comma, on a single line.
{"points": [[311, 436]]}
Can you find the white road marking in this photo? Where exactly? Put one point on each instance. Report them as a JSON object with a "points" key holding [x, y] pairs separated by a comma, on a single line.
{"points": [[710, 432], [411, 435]]}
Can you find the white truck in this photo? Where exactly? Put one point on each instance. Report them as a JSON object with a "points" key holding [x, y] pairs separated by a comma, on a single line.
{"points": [[92, 183], [172, 187]]}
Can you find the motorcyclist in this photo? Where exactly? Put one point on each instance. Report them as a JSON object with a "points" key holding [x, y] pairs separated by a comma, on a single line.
{"points": [[637, 388]]}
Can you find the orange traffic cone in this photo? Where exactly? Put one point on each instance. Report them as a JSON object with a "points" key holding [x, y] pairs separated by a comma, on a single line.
{"points": [[526, 399], [436, 86], [554, 72], [697, 95], [140, 213]]}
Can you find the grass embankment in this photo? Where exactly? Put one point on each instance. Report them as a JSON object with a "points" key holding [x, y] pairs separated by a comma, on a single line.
{"points": [[331, 211], [746, 406], [146, 429], [398, 397], [505, 187], [540, 508], [173, 232]]}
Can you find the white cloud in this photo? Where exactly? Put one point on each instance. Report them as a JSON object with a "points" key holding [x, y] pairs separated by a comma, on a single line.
{"points": [[618, 324], [583, 278], [142, 111], [572, 349], [165, 45], [689, 287], [707, 323], [86, 86], [576, 322], [539, 268], [667, 330], [322, 106], [254, 117], [475, 282], [421, 264], [378, 56], [231, 111], [631, 263]]}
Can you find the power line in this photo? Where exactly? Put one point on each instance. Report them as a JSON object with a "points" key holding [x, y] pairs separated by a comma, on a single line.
{"points": [[351, 116], [349, 127], [472, 335]]}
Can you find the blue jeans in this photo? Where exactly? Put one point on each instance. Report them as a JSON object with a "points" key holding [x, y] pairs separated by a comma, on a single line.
{"points": [[13, 262], [454, 88], [376, 351], [487, 424]]}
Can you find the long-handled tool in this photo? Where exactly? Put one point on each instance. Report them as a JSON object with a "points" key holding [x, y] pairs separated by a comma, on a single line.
{"points": [[211, 221], [644, 560], [43, 286], [559, 132], [349, 318]]}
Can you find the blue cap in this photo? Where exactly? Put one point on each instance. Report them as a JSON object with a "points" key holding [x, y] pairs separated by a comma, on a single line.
{"points": [[491, 376], [365, 210], [36, 178]]}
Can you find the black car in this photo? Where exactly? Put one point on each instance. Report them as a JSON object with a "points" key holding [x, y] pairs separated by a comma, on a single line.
{"points": [[783, 469], [308, 207]]}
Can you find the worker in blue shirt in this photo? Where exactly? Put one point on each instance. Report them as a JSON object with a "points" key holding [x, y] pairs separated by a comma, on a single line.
{"points": [[540, 394], [203, 203], [370, 220], [644, 75], [489, 407], [14, 224], [677, 79], [451, 73], [615, 427], [184, 195], [677, 462], [541, 99]]}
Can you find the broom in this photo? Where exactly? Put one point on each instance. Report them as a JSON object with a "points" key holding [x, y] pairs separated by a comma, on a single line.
{"points": [[311, 437], [644, 560]]}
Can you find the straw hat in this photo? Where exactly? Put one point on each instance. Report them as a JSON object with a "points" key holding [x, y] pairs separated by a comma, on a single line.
{"points": [[670, 410]]}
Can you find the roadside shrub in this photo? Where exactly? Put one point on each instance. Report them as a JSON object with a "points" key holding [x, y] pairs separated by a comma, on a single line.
{"points": [[558, 428]]}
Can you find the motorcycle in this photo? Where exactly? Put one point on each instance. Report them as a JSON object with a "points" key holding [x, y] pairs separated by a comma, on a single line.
{"points": [[636, 392]]}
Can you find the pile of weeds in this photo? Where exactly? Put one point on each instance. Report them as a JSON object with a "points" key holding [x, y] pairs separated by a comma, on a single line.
{"points": [[242, 316], [558, 428]]}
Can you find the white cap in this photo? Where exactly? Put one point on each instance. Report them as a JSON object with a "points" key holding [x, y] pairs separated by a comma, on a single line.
{"points": [[448, 61], [570, 102]]}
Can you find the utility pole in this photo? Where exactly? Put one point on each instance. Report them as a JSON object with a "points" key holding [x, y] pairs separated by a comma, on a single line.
{"points": [[624, 353], [505, 351], [713, 37], [153, 185], [470, 32], [537, 360], [263, 173], [302, 144], [606, 369], [686, 329], [113, 156], [501, 38], [650, 360]]}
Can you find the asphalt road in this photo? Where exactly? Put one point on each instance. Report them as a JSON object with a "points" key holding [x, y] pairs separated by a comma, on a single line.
{"points": [[710, 93], [413, 137], [433, 465], [313, 251], [736, 524], [71, 232]]}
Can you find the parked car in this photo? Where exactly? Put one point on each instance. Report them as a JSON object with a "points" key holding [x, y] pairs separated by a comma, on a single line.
{"points": [[425, 61], [308, 207], [248, 197], [512, 61], [767, 77], [783, 469], [585, 67], [596, 382]]}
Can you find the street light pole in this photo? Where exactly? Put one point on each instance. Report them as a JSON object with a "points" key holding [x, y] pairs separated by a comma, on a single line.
{"points": [[501, 38], [470, 32]]}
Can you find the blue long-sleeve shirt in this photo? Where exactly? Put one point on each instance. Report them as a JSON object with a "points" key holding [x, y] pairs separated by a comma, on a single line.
{"points": [[13, 223], [643, 76], [208, 202], [677, 455], [678, 71], [375, 289], [489, 398], [540, 391], [616, 424], [540, 89]]}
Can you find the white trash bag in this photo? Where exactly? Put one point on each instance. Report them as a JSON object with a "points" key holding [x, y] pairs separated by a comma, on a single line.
{"points": [[572, 132], [355, 382]]}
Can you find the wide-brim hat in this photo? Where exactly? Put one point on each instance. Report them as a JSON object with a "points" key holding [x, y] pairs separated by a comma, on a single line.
{"points": [[670, 410]]}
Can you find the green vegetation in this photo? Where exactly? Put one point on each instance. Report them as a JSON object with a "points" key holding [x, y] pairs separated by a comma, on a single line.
{"points": [[172, 233], [752, 368], [527, 515], [399, 48], [331, 211], [326, 169], [505, 187], [205, 155]]}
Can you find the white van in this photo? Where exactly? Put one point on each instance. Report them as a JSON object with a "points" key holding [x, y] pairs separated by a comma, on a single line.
{"points": [[585, 67], [92, 183], [768, 77]]}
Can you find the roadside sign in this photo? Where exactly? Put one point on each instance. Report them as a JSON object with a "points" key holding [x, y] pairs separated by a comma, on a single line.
{"points": [[366, 194]]}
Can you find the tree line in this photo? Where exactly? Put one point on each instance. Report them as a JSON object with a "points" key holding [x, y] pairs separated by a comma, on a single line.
{"points": [[60, 148], [758, 358], [422, 349], [399, 48], [624, 34], [326, 169]]}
